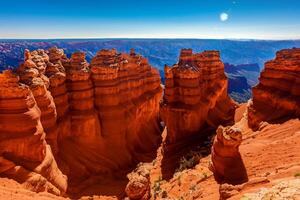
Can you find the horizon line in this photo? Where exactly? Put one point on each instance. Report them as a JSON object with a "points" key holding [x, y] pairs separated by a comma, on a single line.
{"points": [[151, 38]]}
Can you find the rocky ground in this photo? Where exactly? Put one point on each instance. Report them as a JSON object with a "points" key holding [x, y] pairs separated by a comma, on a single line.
{"points": [[271, 156]]}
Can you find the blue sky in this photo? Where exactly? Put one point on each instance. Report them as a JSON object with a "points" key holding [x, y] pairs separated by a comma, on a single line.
{"points": [[257, 19]]}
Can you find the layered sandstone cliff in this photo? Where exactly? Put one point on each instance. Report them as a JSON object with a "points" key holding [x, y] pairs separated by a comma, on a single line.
{"points": [[32, 73], [275, 100], [277, 96], [127, 95], [94, 119], [24, 153], [99, 119], [195, 95], [114, 107], [84, 121]]}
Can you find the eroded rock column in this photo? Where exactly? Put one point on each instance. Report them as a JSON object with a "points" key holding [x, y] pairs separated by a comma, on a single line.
{"points": [[23, 148], [277, 96], [195, 95], [227, 164]]}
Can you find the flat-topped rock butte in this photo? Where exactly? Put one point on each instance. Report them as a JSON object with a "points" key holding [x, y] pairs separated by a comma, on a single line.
{"points": [[73, 129]]}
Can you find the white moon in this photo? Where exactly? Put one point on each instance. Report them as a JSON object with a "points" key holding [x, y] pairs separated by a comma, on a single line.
{"points": [[224, 17]]}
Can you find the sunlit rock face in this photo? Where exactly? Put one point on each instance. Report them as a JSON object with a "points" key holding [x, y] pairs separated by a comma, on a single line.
{"points": [[84, 120], [195, 95], [277, 96], [24, 153], [79, 84], [32, 73], [56, 73], [94, 119], [227, 164], [139, 184], [127, 95]]}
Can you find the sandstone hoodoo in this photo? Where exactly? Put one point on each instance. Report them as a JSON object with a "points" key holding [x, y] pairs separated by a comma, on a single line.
{"points": [[227, 163], [32, 73], [195, 95], [114, 123], [127, 94], [57, 76], [79, 84], [243, 160], [277, 96], [24, 153], [84, 120], [95, 119], [72, 128]]}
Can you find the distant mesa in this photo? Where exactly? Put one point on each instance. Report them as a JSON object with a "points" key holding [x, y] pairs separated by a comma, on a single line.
{"points": [[160, 52], [241, 79], [229, 68]]}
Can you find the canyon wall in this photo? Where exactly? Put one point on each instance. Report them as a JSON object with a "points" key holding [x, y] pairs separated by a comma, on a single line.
{"points": [[277, 96], [114, 107], [195, 95], [24, 153], [127, 95], [94, 119], [63, 120], [276, 99]]}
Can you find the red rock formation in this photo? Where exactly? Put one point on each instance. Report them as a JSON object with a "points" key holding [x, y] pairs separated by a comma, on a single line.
{"points": [[138, 187], [23, 149], [112, 106], [195, 95], [84, 120], [277, 96], [82, 135], [96, 121], [32, 73], [79, 84], [127, 92], [227, 163], [57, 76]]}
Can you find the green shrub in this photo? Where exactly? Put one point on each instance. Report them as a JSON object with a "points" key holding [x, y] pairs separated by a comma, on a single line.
{"points": [[189, 161]]}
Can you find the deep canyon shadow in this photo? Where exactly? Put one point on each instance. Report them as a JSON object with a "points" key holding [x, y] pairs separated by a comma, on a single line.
{"points": [[173, 154]]}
